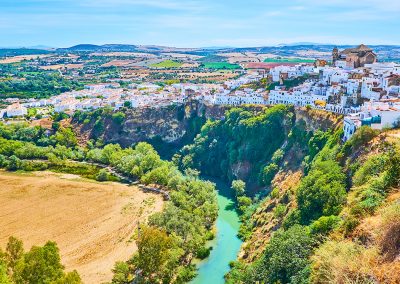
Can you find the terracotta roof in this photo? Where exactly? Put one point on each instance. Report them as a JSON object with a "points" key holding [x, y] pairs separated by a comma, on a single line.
{"points": [[361, 47]]}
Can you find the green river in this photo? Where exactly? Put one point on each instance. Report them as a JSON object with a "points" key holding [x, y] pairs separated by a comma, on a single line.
{"points": [[226, 245]]}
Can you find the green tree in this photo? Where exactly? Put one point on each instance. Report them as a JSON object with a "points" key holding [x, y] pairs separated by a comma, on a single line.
{"points": [[102, 175], [4, 279], [322, 192], [122, 273], [286, 258], [238, 187], [65, 137], [154, 257], [40, 265], [14, 163], [14, 252], [127, 104], [118, 117], [269, 172]]}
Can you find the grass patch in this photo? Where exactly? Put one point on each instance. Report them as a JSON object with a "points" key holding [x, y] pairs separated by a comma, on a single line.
{"points": [[167, 64], [220, 65]]}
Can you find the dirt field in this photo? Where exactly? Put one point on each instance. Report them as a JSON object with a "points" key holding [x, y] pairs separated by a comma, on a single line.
{"points": [[20, 58], [92, 223]]}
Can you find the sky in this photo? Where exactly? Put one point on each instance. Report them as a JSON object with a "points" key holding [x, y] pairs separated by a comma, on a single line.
{"points": [[198, 23]]}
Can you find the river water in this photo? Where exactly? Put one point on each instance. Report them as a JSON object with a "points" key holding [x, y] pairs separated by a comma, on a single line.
{"points": [[226, 245]]}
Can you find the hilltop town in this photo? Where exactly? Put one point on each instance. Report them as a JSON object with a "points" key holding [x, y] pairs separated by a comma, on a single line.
{"points": [[353, 83]]}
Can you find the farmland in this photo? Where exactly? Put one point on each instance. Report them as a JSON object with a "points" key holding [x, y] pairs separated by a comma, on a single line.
{"points": [[92, 223], [167, 64], [220, 65]]}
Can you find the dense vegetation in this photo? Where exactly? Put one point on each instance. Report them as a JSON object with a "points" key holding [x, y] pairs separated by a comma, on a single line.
{"points": [[335, 225], [342, 184], [241, 145], [40, 85], [189, 215], [39, 265], [187, 218], [338, 191]]}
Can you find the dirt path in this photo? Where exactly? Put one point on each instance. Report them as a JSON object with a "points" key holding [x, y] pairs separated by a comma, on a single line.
{"points": [[92, 223]]}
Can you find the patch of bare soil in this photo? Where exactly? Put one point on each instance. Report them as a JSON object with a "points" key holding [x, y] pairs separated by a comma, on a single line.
{"points": [[92, 223]]}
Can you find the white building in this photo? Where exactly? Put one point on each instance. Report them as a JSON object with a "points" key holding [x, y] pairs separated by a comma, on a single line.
{"points": [[15, 110]]}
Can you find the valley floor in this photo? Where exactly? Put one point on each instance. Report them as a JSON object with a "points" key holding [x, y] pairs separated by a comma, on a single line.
{"points": [[92, 223]]}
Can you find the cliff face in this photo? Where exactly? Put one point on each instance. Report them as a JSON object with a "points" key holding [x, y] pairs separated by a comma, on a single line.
{"points": [[167, 128]]}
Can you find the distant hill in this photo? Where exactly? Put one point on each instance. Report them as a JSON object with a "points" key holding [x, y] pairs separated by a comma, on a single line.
{"points": [[303, 49], [6, 52], [100, 48]]}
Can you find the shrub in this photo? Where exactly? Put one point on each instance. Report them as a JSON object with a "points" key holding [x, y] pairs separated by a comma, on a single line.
{"points": [[269, 172], [362, 136], [118, 117], [243, 203], [279, 211], [277, 156], [343, 262], [203, 252], [324, 225], [390, 240], [291, 219], [373, 166], [102, 175]]}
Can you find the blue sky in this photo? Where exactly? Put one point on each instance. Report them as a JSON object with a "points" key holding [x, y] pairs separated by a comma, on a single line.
{"points": [[195, 23]]}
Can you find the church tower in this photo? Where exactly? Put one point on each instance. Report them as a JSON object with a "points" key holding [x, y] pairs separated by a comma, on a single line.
{"points": [[335, 55]]}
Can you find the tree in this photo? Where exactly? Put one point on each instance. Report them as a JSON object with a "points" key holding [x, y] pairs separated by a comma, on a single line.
{"points": [[14, 163], [286, 258], [122, 273], [269, 172], [102, 175], [14, 252], [40, 265], [238, 187], [118, 117], [65, 137], [322, 192], [243, 203], [4, 279], [154, 255], [127, 104]]}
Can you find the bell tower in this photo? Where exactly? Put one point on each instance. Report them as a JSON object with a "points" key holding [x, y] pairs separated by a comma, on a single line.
{"points": [[335, 55]]}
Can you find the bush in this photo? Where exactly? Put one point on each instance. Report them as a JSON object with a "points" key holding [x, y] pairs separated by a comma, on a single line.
{"points": [[291, 219], [343, 262], [373, 166], [203, 252], [268, 173], [362, 136], [118, 117], [243, 203], [279, 211], [102, 175], [14, 163], [324, 225]]}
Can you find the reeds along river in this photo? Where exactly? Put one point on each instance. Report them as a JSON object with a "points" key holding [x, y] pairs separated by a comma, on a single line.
{"points": [[226, 245]]}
